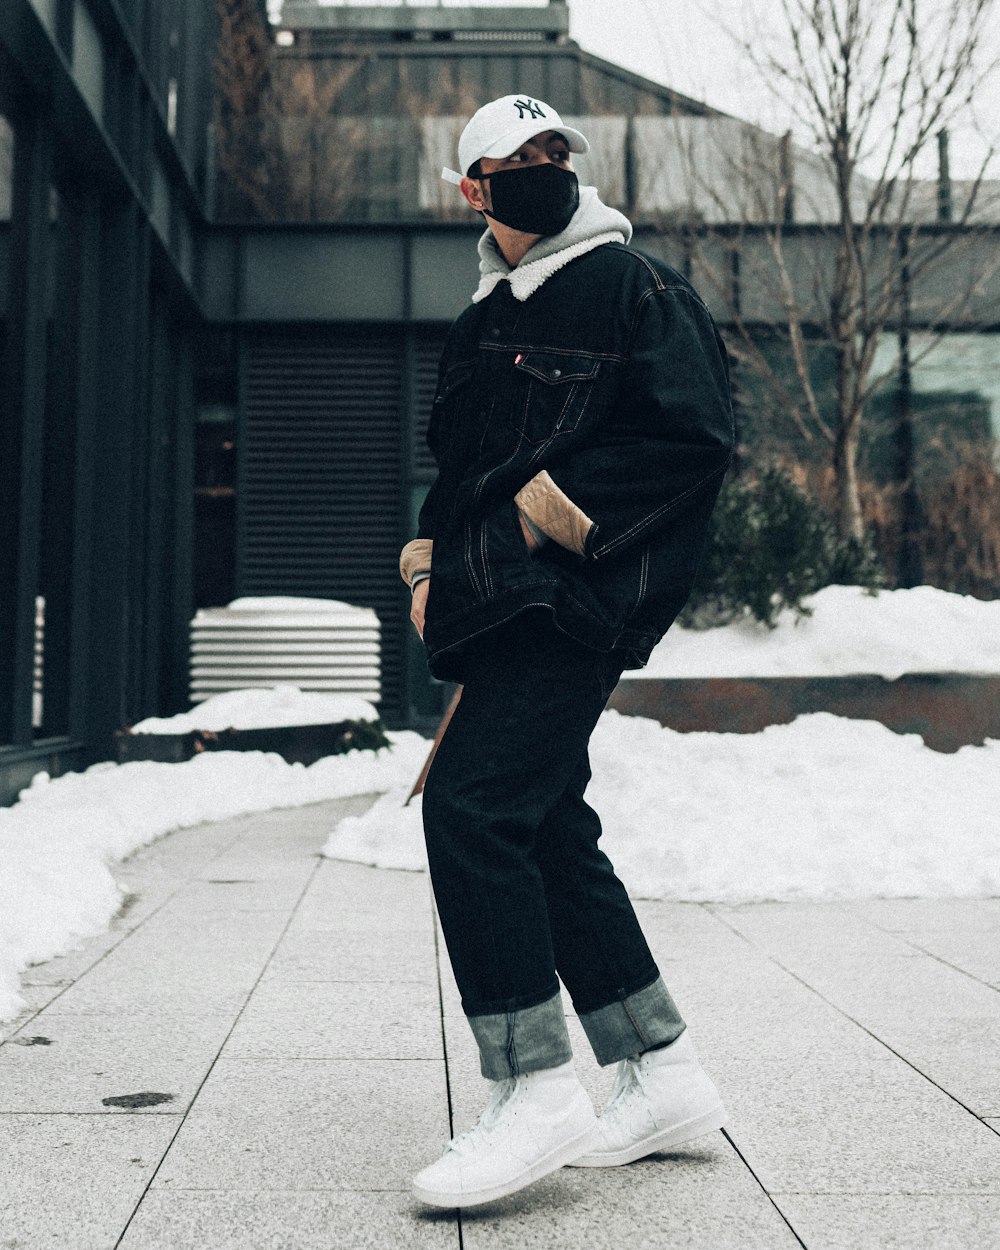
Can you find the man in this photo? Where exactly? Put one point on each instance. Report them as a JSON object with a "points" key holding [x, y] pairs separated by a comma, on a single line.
{"points": [[581, 428]]}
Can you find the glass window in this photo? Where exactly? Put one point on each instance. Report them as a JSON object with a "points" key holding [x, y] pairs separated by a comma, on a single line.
{"points": [[955, 401], [6, 205], [55, 557], [214, 553], [88, 60], [6, 197]]}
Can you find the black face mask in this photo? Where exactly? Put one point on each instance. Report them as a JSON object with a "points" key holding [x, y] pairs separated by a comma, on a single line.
{"points": [[540, 199]]}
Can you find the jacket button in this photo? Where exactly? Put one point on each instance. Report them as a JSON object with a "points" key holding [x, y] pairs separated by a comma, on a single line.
{"points": [[556, 373], [494, 333]]}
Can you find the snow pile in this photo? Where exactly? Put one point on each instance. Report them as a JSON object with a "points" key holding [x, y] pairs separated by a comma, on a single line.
{"points": [[824, 808], [59, 842], [290, 603], [262, 709], [894, 632]]}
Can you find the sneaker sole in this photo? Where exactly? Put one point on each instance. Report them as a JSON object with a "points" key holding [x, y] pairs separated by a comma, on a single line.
{"points": [[545, 1166], [663, 1140]]}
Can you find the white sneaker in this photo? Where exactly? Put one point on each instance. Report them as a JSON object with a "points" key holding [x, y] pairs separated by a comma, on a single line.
{"points": [[533, 1124], [659, 1100]]}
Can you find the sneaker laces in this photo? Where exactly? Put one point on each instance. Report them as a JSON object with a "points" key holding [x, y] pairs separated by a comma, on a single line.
{"points": [[499, 1097], [628, 1083]]}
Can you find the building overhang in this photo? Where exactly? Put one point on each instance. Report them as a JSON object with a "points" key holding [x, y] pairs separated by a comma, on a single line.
{"points": [[549, 24]]}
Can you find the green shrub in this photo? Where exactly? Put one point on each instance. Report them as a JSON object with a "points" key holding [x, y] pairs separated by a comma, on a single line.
{"points": [[769, 546]]}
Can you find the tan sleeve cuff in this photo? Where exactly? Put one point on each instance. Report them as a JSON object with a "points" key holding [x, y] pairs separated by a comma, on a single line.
{"points": [[555, 514], [415, 558]]}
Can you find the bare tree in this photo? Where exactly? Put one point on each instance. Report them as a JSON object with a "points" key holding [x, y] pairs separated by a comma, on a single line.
{"points": [[872, 84], [284, 147], [243, 151]]}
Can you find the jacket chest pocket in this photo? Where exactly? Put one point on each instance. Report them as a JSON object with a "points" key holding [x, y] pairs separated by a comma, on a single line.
{"points": [[557, 392]]}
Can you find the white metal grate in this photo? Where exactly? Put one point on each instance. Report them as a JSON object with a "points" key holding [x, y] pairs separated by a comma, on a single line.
{"points": [[256, 643]]}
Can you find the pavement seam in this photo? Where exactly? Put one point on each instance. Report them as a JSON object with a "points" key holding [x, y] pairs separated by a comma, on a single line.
{"points": [[983, 1119], [444, 1042], [990, 985], [769, 1196], [725, 1132], [183, 1118]]}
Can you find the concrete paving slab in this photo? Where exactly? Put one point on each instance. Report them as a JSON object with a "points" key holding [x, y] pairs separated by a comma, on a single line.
{"points": [[232, 891], [245, 1219], [63, 970], [78, 1177], [174, 858], [361, 886], [749, 1007], [905, 915], [695, 919], [278, 851], [961, 1054], [339, 1020], [319, 817], [878, 980], [293, 1124], [180, 934], [880, 991], [893, 1221], [976, 952], [199, 985], [700, 1198], [85, 1059], [833, 930], [350, 955], [150, 973], [881, 1128], [23, 1018], [353, 896]]}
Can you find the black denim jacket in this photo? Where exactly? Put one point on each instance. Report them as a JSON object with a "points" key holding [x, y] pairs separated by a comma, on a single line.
{"points": [[610, 387]]}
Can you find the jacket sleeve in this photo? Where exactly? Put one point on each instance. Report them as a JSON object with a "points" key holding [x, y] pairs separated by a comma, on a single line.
{"points": [[668, 440], [416, 557]]}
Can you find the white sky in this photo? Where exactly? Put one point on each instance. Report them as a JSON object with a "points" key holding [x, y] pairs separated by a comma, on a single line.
{"points": [[683, 44]]}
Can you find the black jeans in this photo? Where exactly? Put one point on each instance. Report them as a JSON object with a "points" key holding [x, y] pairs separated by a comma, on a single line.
{"points": [[522, 888]]}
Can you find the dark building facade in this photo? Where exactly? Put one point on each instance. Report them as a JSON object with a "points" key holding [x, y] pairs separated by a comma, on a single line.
{"points": [[104, 173], [224, 288]]}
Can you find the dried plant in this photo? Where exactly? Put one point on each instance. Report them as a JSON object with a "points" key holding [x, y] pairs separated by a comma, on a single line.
{"points": [[959, 535]]}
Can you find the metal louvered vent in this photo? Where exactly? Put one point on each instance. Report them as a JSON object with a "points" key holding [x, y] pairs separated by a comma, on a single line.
{"points": [[314, 644], [427, 348], [320, 475]]}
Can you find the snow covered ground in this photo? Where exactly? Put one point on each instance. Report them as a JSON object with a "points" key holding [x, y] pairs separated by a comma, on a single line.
{"points": [[821, 808], [252, 709], [923, 630], [824, 808]]}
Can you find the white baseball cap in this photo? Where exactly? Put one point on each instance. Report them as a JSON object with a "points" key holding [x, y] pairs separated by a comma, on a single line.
{"points": [[500, 127]]}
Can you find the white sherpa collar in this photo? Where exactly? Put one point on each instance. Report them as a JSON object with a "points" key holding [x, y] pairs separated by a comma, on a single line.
{"points": [[593, 225], [526, 279]]}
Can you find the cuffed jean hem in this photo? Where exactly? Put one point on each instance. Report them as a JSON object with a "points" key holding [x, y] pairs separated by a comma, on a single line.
{"points": [[645, 1019], [525, 1040]]}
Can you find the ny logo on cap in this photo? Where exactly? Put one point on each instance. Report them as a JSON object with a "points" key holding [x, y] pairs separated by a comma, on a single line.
{"points": [[530, 107]]}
